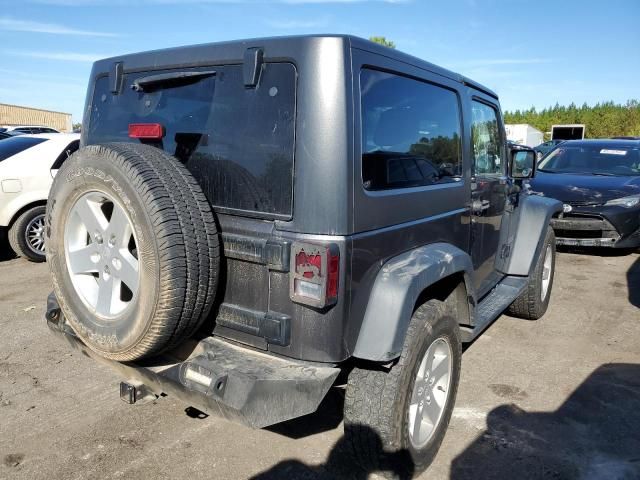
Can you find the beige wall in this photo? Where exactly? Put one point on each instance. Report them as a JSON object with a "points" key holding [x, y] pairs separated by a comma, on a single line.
{"points": [[13, 115]]}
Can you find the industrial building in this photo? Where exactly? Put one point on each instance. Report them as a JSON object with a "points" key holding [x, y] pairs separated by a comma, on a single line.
{"points": [[14, 115]]}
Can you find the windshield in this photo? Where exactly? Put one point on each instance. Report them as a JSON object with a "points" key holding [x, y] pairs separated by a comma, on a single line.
{"points": [[594, 160], [14, 145], [238, 142]]}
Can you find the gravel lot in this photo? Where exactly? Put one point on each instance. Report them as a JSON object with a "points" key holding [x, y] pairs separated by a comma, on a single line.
{"points": [[558, 398]]}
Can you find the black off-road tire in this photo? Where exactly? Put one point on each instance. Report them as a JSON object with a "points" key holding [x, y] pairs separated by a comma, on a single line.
{"points": [[530, 305], [377, 400], [177, 246], [18, 235]]}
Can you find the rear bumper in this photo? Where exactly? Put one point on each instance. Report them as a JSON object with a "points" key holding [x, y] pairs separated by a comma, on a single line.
{"points": [[245, 386]]}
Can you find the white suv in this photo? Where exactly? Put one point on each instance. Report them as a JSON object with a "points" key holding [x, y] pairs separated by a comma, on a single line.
{"points": [[28, 164]]}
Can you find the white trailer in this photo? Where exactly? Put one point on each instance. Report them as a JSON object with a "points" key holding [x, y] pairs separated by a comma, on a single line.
{"points": [[524, 134]]}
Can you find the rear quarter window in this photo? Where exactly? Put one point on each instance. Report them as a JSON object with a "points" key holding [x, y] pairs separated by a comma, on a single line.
{"points": [[411, 132]]}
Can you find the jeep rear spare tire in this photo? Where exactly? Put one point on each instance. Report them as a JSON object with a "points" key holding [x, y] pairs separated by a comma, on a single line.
{"points": [[133, 249]]}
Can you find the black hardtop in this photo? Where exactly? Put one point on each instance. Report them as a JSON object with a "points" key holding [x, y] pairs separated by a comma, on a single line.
{"points": [[319, 60], [275, 48]]}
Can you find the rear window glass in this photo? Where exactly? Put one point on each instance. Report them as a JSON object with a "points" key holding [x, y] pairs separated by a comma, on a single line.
{"points": [[238, 142], [14, 145], [410, 132]]}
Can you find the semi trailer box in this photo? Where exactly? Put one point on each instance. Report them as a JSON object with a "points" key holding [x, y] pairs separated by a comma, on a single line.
{"points": [[567, 132], [524, 134]]}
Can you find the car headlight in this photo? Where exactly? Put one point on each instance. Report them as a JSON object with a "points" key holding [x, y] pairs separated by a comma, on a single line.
{"points": [[627, 202]]}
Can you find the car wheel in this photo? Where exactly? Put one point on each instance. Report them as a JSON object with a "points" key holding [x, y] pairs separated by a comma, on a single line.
{"points": [[395, 419], [26, 235], [133, 249], [534, 300]]}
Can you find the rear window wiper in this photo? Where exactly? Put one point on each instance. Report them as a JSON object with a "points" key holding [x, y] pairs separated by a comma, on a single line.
{"points": [[145, 84]]}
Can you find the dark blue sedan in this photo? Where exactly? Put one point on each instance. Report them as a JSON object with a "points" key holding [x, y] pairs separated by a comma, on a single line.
{"points": [[599, 183]]}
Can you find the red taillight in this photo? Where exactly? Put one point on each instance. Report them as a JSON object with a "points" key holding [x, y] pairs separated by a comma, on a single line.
{"points": [[149, 131], [333, 275], [315, 273]]}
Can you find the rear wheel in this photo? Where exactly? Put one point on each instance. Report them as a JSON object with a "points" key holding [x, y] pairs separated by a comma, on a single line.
{"points": [[395, 420], [26, 235], [534, 300], [133, 249]]}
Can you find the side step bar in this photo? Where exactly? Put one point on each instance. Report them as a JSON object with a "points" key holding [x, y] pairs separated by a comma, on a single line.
{"points": [[491, 306]]}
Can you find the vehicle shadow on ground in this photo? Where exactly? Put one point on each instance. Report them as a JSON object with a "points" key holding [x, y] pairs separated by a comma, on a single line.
{"points": [[633, 283], [340, 463], [595, 434], [6, 253]]}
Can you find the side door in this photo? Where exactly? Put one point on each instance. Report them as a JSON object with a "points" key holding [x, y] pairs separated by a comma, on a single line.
{"points": [[489, 187]]}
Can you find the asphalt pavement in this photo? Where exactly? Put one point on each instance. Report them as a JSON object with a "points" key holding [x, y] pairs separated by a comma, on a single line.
{"points": [[557, 398]]}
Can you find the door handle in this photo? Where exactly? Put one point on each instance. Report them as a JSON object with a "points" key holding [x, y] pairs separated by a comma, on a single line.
{"points": [[479, 206]]}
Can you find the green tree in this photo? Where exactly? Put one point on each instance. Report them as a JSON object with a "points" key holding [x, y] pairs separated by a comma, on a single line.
{"points": [[383, 41], [602, 120]]}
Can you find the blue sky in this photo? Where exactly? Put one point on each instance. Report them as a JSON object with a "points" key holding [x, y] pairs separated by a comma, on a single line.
{"points": [[533, 53]]}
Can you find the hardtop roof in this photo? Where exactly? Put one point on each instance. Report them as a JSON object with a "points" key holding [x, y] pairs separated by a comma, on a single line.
{"points": [[235, 48]]}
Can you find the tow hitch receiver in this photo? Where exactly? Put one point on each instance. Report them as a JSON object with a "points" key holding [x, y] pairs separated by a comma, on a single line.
{"points": [[136, 393]]}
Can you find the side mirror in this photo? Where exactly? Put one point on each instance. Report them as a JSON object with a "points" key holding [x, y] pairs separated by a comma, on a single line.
{"points": [[523, 164]]}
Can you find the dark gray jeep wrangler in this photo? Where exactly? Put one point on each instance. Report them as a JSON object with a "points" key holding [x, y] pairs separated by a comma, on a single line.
{"points": [[245, 221]]}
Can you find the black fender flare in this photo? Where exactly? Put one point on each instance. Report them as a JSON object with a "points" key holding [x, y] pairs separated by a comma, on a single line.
{"points": [[396, 289], [532, 217]]}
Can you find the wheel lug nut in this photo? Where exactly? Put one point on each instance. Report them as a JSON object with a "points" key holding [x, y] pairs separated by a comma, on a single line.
{"points": [[98, 238], [112, 240], [117, 264]]}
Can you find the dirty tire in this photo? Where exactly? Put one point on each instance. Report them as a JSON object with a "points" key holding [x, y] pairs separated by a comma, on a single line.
{"points": [[177, 248], [530, 305], [18, 235], [377, 401], [239, 183]]}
